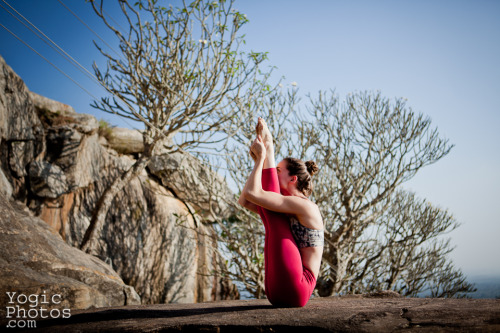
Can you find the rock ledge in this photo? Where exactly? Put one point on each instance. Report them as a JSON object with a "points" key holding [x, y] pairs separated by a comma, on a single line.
{"points": [[329, 314]]}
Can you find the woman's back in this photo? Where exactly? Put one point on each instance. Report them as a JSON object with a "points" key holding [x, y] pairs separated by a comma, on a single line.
{"points": [[309, 236]]}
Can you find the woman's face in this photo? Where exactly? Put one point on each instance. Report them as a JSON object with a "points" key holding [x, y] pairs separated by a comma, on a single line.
{"points": [[283, 175]]}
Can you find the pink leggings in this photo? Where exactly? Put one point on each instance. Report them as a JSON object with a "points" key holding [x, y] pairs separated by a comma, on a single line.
{"points": [[287, 281]]}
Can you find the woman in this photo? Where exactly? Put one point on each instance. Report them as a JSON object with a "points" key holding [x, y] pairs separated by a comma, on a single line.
{"points": [[294, 226]]}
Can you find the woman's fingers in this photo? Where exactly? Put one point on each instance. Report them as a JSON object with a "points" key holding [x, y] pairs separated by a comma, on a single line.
{"points": [[253, 155], [258, 147]]}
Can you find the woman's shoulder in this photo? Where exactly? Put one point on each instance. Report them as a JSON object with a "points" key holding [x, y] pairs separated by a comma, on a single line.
{"points": [[313, 206], [311, 215], [304, 205]]}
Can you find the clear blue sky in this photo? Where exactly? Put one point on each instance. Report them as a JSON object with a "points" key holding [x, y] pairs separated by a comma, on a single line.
{"points": [[443, 56]]}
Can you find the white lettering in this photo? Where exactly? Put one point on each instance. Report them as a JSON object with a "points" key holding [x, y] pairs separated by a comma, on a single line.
{"points": [[19, 311], [11, 297], [41, 313], [30, 312], [34, 311], [44, 298], [10, 311], [33, 298], [19, 299], [66, 313], [54, 316], [53, 297]]}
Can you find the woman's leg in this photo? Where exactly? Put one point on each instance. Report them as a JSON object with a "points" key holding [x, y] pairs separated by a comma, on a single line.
{"points": [[287, 282], [269, 183]]}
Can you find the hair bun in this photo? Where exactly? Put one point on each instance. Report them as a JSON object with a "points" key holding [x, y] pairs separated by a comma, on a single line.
{"points": [[312, 168]]}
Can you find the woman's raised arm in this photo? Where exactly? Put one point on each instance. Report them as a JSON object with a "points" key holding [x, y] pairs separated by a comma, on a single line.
{"points": [[254, 193]]}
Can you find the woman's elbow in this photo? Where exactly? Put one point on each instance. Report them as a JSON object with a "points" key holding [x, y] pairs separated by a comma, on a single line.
{"points": [[241, 201], [251, 195]]}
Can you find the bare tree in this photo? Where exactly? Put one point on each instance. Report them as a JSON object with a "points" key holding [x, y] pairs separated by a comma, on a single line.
{"points": [[181, 73], [240, 239], [377, 236], [404, 250], [368, 146]]}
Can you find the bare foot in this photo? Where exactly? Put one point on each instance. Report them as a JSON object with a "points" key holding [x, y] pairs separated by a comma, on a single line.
{"points": [[264, 132]]}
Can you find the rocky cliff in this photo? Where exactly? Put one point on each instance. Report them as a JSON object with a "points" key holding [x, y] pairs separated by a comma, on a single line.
{"points": [[36, 261], [57, 163]]}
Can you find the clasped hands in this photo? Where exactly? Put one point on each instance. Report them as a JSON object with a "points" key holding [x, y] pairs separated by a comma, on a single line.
{"points": [[263, 143], [258, 149]]}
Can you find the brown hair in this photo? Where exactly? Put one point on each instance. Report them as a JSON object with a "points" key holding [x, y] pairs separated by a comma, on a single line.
{"points": [[304, 171]]}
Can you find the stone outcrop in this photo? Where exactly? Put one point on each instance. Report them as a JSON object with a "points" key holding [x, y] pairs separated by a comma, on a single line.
{"points": [[208, 194], [34, 260], [125, 141], [45, 103], [47, 180], [328, 314], [21, 131], [55, 161]]}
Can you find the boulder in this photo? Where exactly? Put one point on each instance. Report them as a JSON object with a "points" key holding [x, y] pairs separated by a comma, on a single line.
{"points": [[44, 103], [52, 160], [150, 236], [194, 182], [34, 260], [18, 118], [131, 141], [125, 141]]}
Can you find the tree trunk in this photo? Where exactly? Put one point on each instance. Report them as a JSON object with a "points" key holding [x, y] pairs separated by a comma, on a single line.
{"points": [[104, 203]]}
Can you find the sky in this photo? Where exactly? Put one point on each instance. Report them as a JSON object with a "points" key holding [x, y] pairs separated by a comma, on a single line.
{"points": [[442, 55]]}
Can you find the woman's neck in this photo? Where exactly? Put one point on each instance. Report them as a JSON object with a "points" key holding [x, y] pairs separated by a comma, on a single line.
{"points": [[293, 192]]}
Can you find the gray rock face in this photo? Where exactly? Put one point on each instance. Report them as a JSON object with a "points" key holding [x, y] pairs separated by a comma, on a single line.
{"points": [[126, 141], [35, 259], [21, 132], [187, 177], [5, 187], [47, 180], [131, 141], [44, 103], [52, 160]]}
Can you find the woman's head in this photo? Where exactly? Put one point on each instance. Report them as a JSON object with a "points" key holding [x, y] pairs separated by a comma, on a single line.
{"points": [[303, 171]]}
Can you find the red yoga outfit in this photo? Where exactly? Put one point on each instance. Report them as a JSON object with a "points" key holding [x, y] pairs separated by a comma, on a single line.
{"points": [[287, 281]]}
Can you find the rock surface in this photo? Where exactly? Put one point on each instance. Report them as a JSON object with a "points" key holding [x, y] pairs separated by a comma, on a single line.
{"points": [[53, 160], [47, 180], [193, 182], [125, 141], [48, 104], [329, 314], [34, 259]]}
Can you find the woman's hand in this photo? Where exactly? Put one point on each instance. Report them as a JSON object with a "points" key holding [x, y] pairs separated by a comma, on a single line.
{"points": [[258, 149], [254, 158]]}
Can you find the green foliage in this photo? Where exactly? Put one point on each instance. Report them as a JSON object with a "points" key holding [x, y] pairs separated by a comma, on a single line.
{"points": [[50, 118], [105, 129]]}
